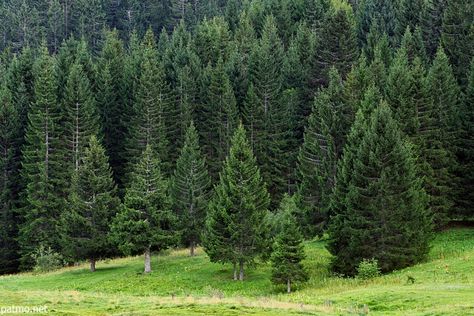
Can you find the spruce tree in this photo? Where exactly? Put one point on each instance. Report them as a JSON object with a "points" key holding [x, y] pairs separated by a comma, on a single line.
{"points": [[437, 137], [147, 125], [384, 214], [457, 37], [324, 140], [288, 250], [92, 204], [465, 152], [431, 24], [145, 222], [235, 228], [81, 117], [10, 133], [267, 62], [190, 187], [43, 164], [337, 46], [400, 90], [113, 102], [220, 118]]}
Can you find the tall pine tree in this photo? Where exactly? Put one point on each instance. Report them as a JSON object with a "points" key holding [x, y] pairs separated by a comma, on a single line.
{"points": [[92, 204], [43, 164], [190, 187], [145, 222], [235, 228], [384, 213]]}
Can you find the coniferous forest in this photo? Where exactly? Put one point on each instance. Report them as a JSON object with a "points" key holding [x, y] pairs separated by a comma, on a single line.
{"points": [[240, 126]]}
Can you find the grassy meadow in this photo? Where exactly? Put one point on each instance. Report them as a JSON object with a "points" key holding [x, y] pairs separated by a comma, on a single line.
{"points": [[183, 285]]}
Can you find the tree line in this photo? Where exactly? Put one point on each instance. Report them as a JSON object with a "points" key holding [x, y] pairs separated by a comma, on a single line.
{"points": [[245, 124]]}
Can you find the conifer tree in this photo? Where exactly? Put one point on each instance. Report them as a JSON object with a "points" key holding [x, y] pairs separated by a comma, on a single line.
{"points": [[337, 46], [43, 164], [235, 228], [322, 147], [190, 187], [220, 118], [383, 195], [288, 250], [438, 135], [81, 118], [465, 193], [400, 90], [412, 43], [92, 204], [457, 36], [431, 24], [147, 123], [267, 63], [10, 133], [113, 102], [145, 222]]}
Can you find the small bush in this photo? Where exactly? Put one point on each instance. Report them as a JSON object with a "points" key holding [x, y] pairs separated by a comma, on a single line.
{"points": [[368, 269], [47, 260]]}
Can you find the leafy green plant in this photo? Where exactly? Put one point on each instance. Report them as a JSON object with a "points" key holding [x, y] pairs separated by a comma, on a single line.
{"points": [[368, 269], [46, 259]]}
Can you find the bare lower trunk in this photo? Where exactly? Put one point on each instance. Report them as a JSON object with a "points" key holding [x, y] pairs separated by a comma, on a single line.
{"points": [[288, 286], [192, 248], [92, 262], [147, 261], [241, 274], [235, 271]]}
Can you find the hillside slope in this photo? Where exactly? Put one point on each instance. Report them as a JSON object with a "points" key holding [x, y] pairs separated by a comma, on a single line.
{"points": [[181, 285]]}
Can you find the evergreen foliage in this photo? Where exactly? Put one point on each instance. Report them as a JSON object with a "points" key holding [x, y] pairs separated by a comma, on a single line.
{"points": [[384, 215], [43, 164], [288, 252], [190, 186], [235, 229], [92, 204], [145, 221]]}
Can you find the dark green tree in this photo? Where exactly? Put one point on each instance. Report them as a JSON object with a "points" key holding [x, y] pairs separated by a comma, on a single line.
{"points": [[337, 46], [81, 119], [288, 250], [113, 102], [43, 164], [147, 125], [220, 118], [10, 132], [145, 222], [324, 141], [384, 214], [400, 92], [465, 192], [270, 143], [437, 139], [431, 24], [190, 188], [457, 37], [92, 205], [235, 228]]}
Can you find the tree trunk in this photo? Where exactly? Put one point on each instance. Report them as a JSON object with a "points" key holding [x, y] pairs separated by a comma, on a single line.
{"points": [[191, 250], [147, 261], [92, 262], [235, 271], [241, 274], [288, 286]]}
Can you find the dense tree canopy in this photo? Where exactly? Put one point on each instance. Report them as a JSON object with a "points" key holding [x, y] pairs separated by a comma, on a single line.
{"points": [[162, 85]]}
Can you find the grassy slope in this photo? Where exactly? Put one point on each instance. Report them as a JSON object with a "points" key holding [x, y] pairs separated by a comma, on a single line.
{"points": [[181, 285]]}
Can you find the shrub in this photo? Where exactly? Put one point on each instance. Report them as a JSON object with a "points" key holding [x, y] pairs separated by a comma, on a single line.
{"points": [[46, 259], [368, 269]]}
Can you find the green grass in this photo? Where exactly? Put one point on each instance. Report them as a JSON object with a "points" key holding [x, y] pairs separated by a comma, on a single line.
{"points": [[181, 285]]}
